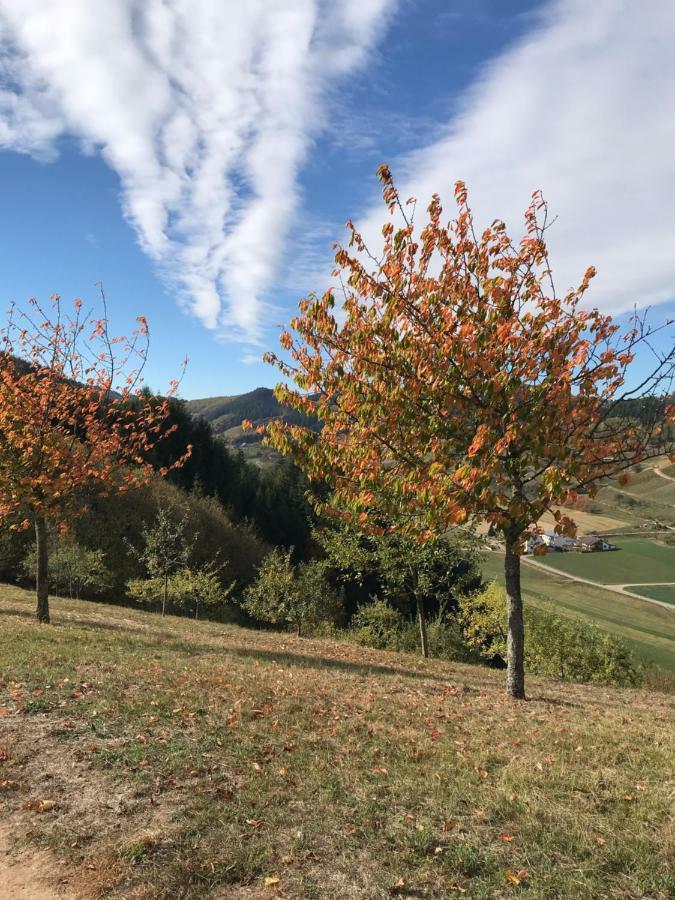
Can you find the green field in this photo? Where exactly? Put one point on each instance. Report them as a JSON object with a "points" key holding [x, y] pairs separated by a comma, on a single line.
{"points": [[638, 560], [650, 629], [663, 592]]}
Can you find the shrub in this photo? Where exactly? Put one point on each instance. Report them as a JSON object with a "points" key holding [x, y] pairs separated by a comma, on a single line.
{"points": [[284, 594], [73, 569], [572, 650], [378, 625], [193, 589], [382, 627]]}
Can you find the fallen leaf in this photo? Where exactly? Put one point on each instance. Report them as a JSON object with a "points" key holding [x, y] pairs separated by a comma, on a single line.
{"points": [[506, 838], [599, 840], [4, 712], [272, 879], [515, 877]]}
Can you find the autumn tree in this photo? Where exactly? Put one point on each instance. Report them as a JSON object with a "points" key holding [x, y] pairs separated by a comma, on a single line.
{"points": [[73, 418], [455, 384]]}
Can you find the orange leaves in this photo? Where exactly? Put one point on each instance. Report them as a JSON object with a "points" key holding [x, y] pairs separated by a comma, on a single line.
{"points": [[479, 440], [515, 878], [455, 383], [64, 427]]}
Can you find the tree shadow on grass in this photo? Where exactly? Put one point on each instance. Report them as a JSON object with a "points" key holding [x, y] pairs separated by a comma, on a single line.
{"points": [[161, 640], [302, 661]]}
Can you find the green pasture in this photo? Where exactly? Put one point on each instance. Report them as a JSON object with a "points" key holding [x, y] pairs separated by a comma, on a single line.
{"points": [[638, 560], [649, 628]]}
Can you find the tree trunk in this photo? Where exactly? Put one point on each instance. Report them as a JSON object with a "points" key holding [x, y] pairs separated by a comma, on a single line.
{"points": [[299, 629], [422, 621], [515, 641], [165, 596], [197, 609], [42, 570]]}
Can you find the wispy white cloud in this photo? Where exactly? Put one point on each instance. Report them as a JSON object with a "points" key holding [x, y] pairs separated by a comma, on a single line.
{"points": [[204, 108], [581, 107]]}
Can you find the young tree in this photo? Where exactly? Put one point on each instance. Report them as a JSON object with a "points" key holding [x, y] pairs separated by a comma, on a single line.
{"points": [[199, 586], [285, 594], [165, 551], [72, 417], [73, 568], [430, 574], [458, 384]]}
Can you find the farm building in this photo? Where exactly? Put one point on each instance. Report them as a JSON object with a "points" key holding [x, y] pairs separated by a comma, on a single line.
{"points": [[555, 541], [593, 543]]}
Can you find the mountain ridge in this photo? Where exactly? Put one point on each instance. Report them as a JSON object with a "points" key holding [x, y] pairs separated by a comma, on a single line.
{"points": [[226, 414]]}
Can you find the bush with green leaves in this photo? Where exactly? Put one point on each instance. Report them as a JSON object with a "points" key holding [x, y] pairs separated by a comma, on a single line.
{"points": [[200, 588], [291, 595], [378, 625], [382, 627], [74, 570], [568, 649], [164, 551], [194, 589], [421, 579]]}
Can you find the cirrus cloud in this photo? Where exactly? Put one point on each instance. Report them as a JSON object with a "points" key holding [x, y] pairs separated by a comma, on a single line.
{"points": [[204, 108]]}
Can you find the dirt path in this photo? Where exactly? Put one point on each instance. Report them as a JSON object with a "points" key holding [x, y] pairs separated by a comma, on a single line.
{"points": [[615, 588], [663, 474], [24, 875]]}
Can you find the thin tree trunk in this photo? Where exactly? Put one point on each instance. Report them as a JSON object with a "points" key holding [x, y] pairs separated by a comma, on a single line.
{"points": [[42, 570], [166, 592], [197, 609], [422, 621], [515, 640], [299, 629]]}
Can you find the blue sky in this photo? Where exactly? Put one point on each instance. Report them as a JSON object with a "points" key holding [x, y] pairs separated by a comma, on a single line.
{"points": [[200, 163]]}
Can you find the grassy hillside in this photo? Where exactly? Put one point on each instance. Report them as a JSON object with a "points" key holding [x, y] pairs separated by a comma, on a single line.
{"points": [[650, 629], [165, 758], [646, 498]]}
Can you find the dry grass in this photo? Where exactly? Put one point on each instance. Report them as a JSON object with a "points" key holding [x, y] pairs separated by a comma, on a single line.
{"points": [[188, 759]]}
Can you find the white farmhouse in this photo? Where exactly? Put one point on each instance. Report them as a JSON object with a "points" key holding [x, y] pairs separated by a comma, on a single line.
{"points": [[555, 541]]}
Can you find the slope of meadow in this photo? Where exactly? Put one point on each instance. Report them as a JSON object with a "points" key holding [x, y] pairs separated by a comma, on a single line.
{"points": [[166, 758], [649, 629]]}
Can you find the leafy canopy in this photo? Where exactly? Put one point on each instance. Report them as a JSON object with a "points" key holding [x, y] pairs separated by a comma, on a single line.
{"points": [[73, 414], [285, 594], [457, 382]]}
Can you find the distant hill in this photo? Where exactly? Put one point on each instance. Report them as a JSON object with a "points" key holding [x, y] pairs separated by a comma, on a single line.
{"points": [[225, 414]]}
